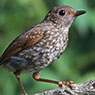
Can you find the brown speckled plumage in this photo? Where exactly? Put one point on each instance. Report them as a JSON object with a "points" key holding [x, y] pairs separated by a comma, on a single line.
{"points": [[41, 45]]}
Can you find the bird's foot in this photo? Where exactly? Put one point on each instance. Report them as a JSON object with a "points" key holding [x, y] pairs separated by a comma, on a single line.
{"points": [[66, 83]]}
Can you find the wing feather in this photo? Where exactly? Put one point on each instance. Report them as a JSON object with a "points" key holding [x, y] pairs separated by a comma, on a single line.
{"points": [[26, 40]]}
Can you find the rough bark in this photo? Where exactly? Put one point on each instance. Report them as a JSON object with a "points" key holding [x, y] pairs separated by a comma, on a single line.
{"points": [[87, 88]]}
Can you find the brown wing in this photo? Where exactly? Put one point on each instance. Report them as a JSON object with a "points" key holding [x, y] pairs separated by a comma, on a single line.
{"points": [[26, 40]]}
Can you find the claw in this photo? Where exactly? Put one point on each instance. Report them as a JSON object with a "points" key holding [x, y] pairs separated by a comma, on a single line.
{"points": [[66, 83]]}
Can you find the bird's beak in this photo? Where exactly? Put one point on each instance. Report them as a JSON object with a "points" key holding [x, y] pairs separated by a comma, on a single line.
{"points": [[79, 13]]}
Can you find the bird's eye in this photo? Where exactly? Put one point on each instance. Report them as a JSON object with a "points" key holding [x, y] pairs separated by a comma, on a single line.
{"points": [[62, 12]]}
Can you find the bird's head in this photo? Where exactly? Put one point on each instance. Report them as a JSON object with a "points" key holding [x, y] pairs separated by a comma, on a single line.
{"points": [[63, 15]]}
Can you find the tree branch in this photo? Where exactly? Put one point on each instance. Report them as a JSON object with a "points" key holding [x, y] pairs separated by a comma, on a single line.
{"points": [[87, 88]]}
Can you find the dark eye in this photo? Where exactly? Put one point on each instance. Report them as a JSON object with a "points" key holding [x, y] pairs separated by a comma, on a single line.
{"points": [[62, 12]]}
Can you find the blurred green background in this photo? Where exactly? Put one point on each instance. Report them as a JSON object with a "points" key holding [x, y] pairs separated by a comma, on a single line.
{"points": [[78, 61]]}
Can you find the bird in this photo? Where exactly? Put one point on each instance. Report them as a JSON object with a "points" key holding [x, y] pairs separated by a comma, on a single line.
{"points": [[41, 45]]}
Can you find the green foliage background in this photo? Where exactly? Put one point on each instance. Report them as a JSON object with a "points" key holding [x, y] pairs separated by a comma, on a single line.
{"points": [[78, 61]]}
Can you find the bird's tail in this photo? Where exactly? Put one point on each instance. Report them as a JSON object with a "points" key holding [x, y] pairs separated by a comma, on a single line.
{"points": [[0, 61]]}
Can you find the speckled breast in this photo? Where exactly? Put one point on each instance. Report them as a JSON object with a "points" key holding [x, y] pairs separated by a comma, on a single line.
{"points": [[46, 51]]}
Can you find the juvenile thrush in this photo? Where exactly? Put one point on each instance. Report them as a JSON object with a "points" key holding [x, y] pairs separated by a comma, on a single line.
{"points": [[41, 45]]}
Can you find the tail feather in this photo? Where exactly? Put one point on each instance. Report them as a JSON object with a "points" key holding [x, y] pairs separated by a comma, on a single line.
{"points": [[0, 60]]}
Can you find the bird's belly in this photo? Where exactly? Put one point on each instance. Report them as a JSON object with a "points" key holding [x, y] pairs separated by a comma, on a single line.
{"points": [[40, 57]]}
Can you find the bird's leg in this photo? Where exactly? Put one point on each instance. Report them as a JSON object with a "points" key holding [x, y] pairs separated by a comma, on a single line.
{"points": [[36, 76], [21, 85]]}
